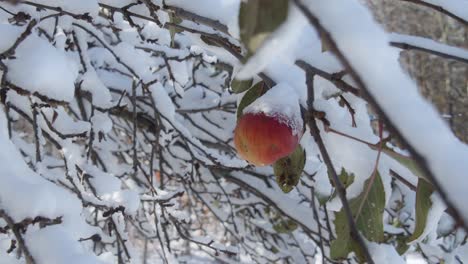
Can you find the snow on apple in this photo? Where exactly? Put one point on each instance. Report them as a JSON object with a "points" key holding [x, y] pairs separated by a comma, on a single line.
{"points": [[282, 103], [270, 128]]}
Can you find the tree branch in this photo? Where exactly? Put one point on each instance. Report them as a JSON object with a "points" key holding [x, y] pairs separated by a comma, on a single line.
{"points": [[21, 243], [419, 158], [315, 132], [439, 9], [407, 46]]}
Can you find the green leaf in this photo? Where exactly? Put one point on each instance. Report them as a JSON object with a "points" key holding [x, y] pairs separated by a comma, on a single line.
{"points": [[285, 226], [402, 245], [322, 199], [324, 42], [239, 86], [274, 250], [172, 30], [250, 96], [369, 222], [423, 204], [288, 170], [408, 162], [209, 41], [258, 18], [345, 178]]}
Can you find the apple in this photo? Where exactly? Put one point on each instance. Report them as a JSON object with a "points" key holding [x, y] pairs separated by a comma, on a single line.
{"points": [[263, 139]]}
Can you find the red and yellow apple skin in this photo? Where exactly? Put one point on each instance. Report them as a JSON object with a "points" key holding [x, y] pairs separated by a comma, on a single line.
{"points": [[262, 139]]}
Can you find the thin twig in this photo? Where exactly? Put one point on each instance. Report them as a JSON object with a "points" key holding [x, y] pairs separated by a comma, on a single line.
{"points": [[439, 9], [21, 243], [407, 46], [315, 133], [338, 82]]}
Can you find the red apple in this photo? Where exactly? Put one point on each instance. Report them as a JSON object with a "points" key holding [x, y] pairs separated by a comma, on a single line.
{"points": [[261, 139]]}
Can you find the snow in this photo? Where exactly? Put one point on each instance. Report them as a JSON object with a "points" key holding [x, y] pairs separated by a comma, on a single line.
{"points": [[116, 3], [153, 31], [104, 183], [100, 94], [284, 203], [342, 149], [417, 120], [64, 123], [430, 44], [463, 253], [9, 35], [42, 63], [80, 178], [415, 258], [281, 42], [162, 101], [383, 253], [128, 198], [282, 102], [77, 7], [39, 197], [101, 122], [54, 245]]}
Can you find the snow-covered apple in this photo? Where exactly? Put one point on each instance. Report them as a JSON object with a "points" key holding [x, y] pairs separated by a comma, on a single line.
{"points": [[262, 139]]}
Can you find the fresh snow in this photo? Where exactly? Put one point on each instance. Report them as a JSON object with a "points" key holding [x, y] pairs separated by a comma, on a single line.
{"points": [[282, 102], [184, 177], [430, 44], [418, 120], [281, 42], [42, 63]]}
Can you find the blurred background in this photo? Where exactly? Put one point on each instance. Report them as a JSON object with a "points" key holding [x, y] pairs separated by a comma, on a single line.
{"points": [[442, 81]]}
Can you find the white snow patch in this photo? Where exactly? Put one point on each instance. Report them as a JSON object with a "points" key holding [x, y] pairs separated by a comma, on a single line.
{"points": [[384, 253], [429, 44], [282, 102], [40, 67], [101, 122], [278, 42], [162, 101], [54, 245], [9, 35], [358, 36]]}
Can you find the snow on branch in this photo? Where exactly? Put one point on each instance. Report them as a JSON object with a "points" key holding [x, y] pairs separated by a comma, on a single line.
{"points": [[408, 42], [116, 131], [381, 77]]}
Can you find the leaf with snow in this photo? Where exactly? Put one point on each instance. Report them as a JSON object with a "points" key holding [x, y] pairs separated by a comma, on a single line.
{"points": [[285, 226], [422, 206], [369, 222], [239, 86], [407, 162], [250, 96]]}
